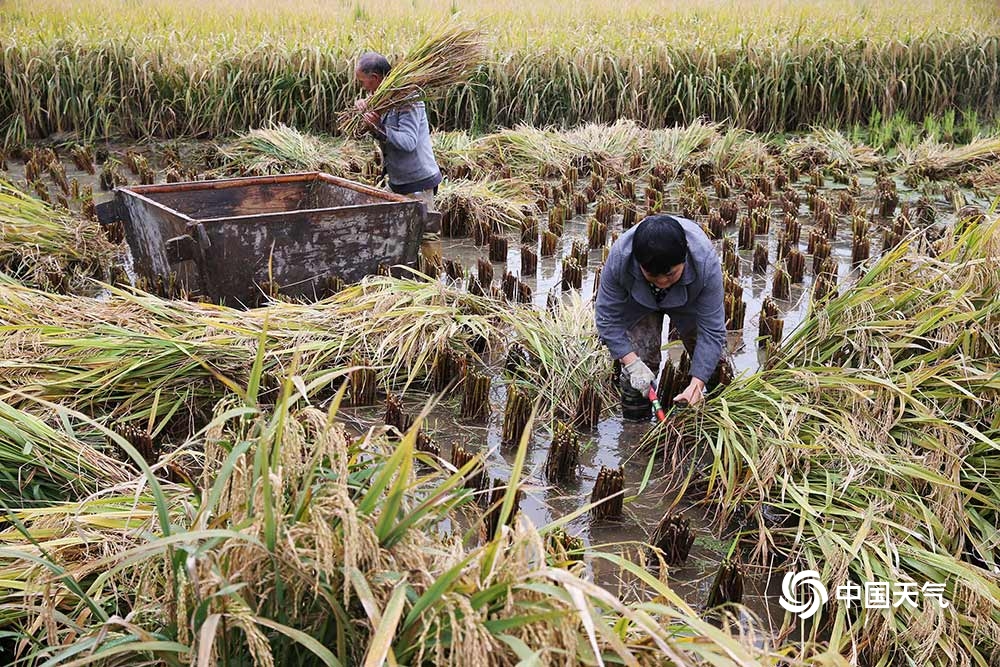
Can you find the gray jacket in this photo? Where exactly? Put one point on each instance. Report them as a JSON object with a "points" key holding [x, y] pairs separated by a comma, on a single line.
{"points": [[695, 302], [406, 149]]}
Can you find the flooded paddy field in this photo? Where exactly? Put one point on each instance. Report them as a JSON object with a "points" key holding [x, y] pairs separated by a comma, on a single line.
{"points": [[785, 209]]}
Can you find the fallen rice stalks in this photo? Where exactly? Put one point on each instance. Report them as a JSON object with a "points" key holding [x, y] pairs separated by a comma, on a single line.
{"points": [[281, 149], [873, 431], [48, 248], [306, 541]]}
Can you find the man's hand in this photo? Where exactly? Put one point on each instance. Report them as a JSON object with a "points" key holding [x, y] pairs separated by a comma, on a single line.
{"points": [[693, 394], [639, 376], [372, 119]]}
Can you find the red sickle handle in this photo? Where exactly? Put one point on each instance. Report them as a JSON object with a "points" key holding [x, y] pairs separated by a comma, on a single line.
{"points": [[657, 408]]}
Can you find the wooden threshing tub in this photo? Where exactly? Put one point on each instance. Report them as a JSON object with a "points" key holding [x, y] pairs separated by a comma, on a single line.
{"points": [[227, 238]]}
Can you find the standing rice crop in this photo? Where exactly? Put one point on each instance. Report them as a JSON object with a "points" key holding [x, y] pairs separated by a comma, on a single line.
{"points": [[793, 67]]}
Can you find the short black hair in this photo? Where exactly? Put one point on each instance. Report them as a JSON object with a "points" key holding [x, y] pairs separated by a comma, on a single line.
{"points": [[659, 244], [373, 63]]}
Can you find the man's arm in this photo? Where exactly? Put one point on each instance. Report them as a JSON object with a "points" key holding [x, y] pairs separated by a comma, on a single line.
{"points": [[403, 131], [610, 312], [711, 317]]}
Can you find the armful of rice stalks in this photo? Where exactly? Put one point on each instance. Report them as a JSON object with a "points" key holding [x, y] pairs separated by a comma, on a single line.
{"points": [[372, 121], [432, 64]]}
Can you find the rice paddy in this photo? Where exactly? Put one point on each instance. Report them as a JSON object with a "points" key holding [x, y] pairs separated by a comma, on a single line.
{"points": [[429, 465], [516, 344], [823, 64]]}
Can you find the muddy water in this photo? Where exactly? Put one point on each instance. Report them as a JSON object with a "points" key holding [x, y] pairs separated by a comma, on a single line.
{"points": [[613, 442]]}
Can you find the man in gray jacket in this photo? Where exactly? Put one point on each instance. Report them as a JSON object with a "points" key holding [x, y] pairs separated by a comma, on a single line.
{"points": [[663, 265], [402, 133]]}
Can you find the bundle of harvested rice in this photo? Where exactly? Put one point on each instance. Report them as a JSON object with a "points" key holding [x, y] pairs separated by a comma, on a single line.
{"points": [[496, 205], [49, 248], [280, 148], [435, 62]]}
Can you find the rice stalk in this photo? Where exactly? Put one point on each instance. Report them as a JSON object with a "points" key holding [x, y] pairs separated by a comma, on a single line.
{"points": [[930, 159], [133, 353], [446, 368], [395, 417], [40, 463], [516, 416], [497, 205], [727, 586], [476, 395], [715, 226], [821, 252], [564, 454], [572, 274], [461, 458], [529, 152], [529, 261], [729, 211], [498, 248], [608, 494], [772, 326], [561, 354], [795, 262], [760, 258], [588, 407], [673, 538], [781, 284], [495, 498], [454, 151], [548, 245], [746, 233], [827, 148]]}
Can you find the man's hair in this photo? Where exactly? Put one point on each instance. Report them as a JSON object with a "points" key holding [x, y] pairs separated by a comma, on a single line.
{"points": [[659, 244], [373, 63]]}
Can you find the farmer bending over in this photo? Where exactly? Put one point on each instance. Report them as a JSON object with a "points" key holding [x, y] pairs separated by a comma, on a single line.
{"points": [[663, 265], [403, 135]]}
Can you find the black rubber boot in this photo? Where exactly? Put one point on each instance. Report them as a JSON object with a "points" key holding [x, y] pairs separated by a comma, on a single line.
{"points": [[635, 406], [645, 336]]}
